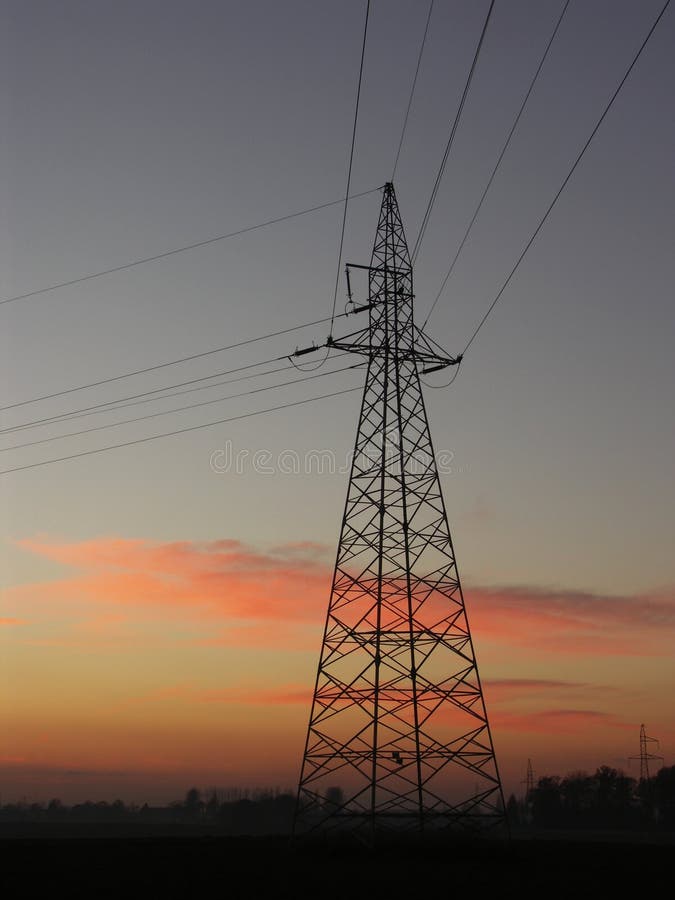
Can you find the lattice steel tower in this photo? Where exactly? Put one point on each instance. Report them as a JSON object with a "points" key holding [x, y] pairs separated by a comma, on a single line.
{"points": [[645, 756], [398, 736]]}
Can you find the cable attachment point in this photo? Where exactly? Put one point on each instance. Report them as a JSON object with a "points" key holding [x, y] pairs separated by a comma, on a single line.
{"points": [[305, 350], [443, 365]]}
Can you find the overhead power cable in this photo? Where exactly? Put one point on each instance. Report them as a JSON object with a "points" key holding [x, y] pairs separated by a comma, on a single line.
{"points": [[497, 164], [183, 249], [166, 412], [351, 160], [114, 405], [567, 178], [105, 406], [412, 90], [448, 147], [172, 362], [156, 437]]}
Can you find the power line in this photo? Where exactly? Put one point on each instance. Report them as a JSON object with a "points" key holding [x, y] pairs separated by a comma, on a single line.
{"points": [[497, 164], [156, 437], [166, 412], [351, 160], [172, 362], [569, 175], [113, 405], [412, 90], [453, 130], [87, 409], [166, 253]]}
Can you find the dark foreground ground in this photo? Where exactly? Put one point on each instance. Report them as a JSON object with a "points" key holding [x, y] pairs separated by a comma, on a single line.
{"points": [[96, 864]]}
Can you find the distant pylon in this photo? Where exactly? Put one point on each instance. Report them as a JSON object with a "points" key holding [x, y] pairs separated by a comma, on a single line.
{"points": [[529, 782], [398, 737], [645, 755]]}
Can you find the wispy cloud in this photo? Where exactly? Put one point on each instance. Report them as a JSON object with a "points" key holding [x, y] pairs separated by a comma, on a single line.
{"points": [[253, 597], [556, 721]]}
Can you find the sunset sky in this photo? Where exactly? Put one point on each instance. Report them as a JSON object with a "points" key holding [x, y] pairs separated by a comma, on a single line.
{"points": [[163, 603]]}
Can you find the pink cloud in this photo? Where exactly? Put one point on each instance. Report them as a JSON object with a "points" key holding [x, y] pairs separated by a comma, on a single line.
{"points": [[282, 695], [557, 721], [506, 689], [221, 579], [273, 597], [574, 622]]}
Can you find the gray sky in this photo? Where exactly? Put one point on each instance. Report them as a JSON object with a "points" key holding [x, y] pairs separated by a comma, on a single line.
{"points": [[132, 128]]}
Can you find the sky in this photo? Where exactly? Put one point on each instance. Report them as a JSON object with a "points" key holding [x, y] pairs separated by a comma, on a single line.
{"points": [[162, 603]]}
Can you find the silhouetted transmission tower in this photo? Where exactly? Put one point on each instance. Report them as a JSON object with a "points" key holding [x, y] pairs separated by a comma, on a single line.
{"points": [[398, 737], [645, 756]]}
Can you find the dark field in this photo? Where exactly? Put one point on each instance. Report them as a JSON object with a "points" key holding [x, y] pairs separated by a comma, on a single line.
{"points": [[97, 863]]}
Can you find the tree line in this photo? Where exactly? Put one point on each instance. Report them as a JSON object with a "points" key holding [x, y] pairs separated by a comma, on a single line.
{"points": [[608, 798], [232, 811]]}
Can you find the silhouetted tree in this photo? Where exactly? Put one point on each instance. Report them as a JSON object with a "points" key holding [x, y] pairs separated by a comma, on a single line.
{"points": [[663, 794], [546, 801], [577, 797], [513, 811], [193, 804]]}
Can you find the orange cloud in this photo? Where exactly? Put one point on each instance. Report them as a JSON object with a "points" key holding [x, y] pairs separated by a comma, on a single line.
{"points": [[557, 721], [282, 695], [574, 622], [505, 689], [220, 579], [273, 598]]}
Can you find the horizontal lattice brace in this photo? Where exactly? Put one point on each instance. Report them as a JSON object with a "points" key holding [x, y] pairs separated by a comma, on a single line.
{"points": [[335, 651], [370, 489], [456, 646], [395, 598], [398, 638], [315, 771], [460, 677], [324, 747], [395, 719], [403, 697], [347, 589], [387, 716], [428, 711], [355, 551], [366, 488], [420, 585], [357, 803], [321, 713], [432, 749], [462, 761], [335, 758], [344, 594], [466, 679], [367, 634], [442, 580], [369, 581]]}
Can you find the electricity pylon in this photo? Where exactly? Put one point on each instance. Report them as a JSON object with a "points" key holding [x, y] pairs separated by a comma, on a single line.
{"points": [[398, 737], [529, 782], [645, 755]]}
